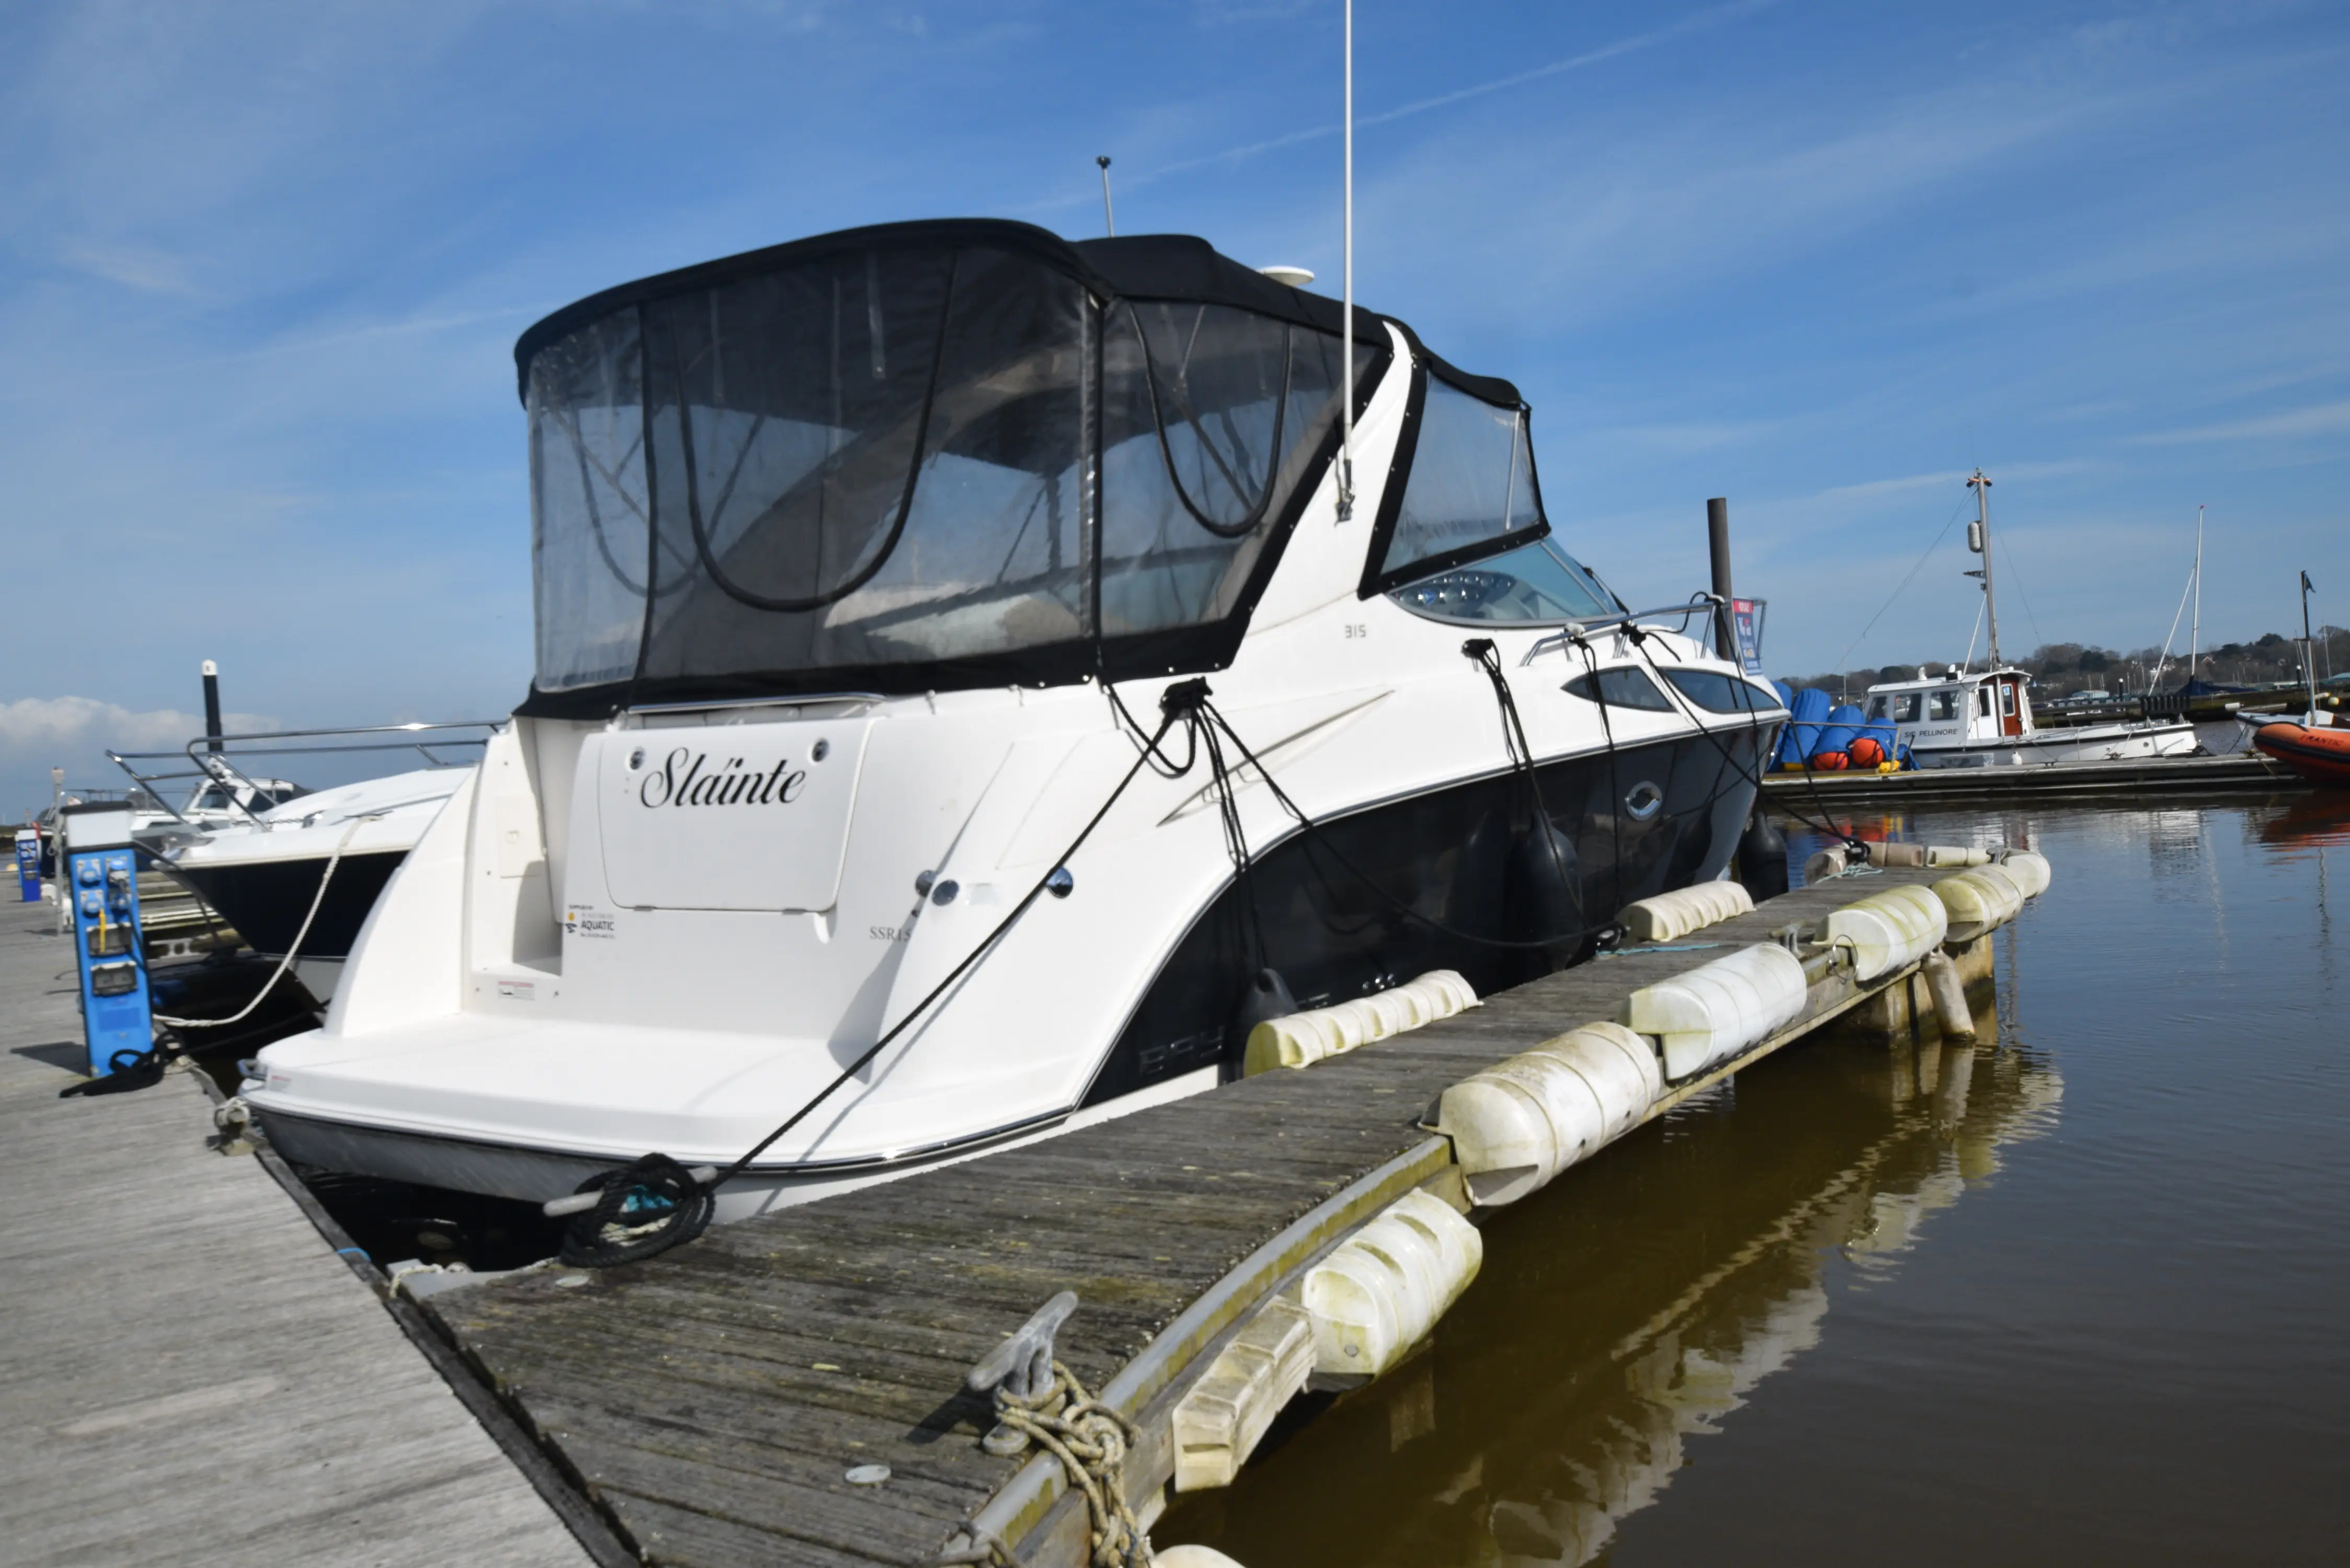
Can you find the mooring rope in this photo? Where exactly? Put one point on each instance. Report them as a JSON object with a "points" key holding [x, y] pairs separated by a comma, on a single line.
{"points": [[1091, 1440], [1313, 830], [1481, 652], [590, 1242], [316, 900], [1754, 775], [676, 1204]]}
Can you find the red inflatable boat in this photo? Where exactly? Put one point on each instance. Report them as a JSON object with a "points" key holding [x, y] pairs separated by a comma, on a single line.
{"points": [[2319, 756]]}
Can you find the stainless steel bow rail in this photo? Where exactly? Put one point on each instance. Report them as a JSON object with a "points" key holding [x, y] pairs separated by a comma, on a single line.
{"points": [[1576, 631], [213, 759]]}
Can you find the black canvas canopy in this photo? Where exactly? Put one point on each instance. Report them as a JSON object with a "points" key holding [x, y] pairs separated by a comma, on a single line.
{"points": [[923, 456]]}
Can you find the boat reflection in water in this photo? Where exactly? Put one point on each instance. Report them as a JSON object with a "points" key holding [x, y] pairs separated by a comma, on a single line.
{"points": [[2320, 820], [1634, 1304]]}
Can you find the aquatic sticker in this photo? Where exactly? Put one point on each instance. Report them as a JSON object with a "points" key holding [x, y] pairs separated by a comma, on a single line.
{"points": [[586, 921]]}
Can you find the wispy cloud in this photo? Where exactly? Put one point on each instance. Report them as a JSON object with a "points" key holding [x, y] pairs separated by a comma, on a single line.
{"points": [[134, 266], [1674, 439], [2318, 419], [73, 732], [1698, 22]]}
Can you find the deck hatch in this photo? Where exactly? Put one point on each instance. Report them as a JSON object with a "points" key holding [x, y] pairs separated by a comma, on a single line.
{"points": [[727, 816]]}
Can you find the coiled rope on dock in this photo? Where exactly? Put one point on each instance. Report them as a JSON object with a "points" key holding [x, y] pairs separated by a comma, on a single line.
{"points": [[1091, 1440]]}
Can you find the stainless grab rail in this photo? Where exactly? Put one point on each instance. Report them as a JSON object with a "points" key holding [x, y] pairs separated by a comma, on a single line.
{"points": [[1578, 628], [216, 766]]}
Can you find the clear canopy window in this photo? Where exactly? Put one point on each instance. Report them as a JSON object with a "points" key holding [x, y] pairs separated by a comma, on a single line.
{"points": [[1469, 489], [883, 458], [1533, 585]]}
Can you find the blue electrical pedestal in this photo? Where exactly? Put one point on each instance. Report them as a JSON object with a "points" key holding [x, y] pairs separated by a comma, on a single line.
{"points": [[99, 881], [29, 864]]}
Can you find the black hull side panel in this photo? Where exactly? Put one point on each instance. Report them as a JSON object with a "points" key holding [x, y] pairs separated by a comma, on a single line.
{"points": [[266, 899], [1465, 858]]}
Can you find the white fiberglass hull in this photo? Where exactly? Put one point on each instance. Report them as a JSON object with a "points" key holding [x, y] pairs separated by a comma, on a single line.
{"points": [[533, 1175], [672, 1028], [303, 878], [2091, 743]]}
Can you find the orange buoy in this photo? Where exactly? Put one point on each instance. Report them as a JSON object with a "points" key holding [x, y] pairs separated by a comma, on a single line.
{"points": [[1865, 752], [1831, 761]]}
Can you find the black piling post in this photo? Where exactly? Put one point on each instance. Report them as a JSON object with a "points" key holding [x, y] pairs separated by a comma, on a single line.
{"points": [[212, 707], [1717, 530]]}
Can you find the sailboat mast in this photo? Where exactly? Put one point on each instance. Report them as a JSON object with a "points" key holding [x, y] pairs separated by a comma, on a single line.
{"points": [[2308, 648], [1347, 269], [2195, 626], [1982, 487]]}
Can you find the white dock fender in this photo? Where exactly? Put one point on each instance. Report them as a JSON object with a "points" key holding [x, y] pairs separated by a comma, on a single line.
{"points": [[1889, 931], [1381, 1291], [1515, 1126], [2030, 869], [1220, 1418], [1980, 900], [1302, 1038], [1686, 909], [1719, 1008]]}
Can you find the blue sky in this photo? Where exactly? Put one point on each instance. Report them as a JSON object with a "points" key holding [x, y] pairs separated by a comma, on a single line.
{"points": [[262, 267]]}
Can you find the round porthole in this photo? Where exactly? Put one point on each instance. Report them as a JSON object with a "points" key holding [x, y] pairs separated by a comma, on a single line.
{"points": [[1645, 801], [636, 759]]}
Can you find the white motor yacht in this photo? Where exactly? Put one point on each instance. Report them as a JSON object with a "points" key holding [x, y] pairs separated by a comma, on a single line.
{"points": [[868, 568], [301, 879], [1962, 720]]}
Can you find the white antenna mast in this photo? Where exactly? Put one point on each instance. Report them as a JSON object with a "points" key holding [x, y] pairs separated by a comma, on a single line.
{"points": [[1110, 219], [1346, 348], [1979, 538]]}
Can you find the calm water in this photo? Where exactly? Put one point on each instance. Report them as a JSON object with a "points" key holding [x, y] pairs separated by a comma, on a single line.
{"points": [[2078, 1296]]}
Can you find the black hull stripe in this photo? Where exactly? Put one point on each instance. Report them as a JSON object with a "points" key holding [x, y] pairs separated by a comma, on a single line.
{"points": [[266, 899]]}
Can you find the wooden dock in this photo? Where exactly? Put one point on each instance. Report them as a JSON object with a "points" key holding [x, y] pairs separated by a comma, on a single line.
{"points": [[191, 1375], [712, 1400], [2057, 781]]}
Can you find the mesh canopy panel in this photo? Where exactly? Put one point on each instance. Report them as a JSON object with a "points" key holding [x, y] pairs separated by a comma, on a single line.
{"points": [[1472, 485], [869, 460], [1211, 418], [588, 523], [879, 457]]}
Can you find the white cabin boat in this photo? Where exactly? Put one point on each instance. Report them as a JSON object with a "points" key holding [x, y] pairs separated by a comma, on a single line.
{"points": [[864, 566], [301, 878], [1984, 719]]}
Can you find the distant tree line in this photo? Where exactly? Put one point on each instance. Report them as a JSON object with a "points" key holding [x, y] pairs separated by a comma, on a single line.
{"points": [[2061, 669]]}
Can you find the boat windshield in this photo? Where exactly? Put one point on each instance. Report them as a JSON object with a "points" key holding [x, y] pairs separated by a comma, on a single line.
{"points": [[1536, 584], [907, 462]]}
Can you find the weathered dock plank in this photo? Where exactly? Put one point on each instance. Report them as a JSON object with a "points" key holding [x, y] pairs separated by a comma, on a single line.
{"points": [[189, 1375], [711, 1399]]}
